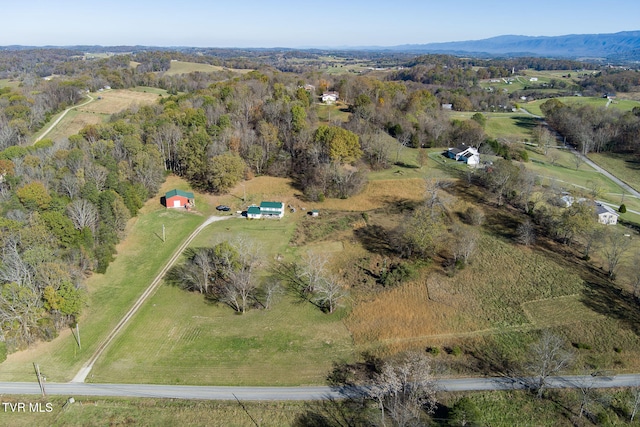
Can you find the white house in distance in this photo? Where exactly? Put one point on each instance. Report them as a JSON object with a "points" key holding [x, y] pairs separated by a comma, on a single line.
{"points": [[330, 97], [606, 215], [464, 153], [266, 210]]}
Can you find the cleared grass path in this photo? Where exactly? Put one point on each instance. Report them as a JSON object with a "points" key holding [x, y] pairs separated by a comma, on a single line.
{"points": [[81, 376], [64, 113]]}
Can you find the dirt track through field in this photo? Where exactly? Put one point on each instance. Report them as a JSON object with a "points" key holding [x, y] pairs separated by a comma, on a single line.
{"points": [[81, 376]]}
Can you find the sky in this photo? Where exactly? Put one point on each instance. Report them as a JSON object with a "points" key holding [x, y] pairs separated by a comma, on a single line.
{"points": [[301, 23]]}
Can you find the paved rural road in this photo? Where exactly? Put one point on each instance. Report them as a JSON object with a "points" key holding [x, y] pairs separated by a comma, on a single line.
{"points": [[297, 393], [588, 161], [81, 376]]}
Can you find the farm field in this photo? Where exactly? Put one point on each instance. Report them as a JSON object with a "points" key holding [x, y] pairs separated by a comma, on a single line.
{"points": [[114, 101], [513, 127], [624, 105], [99, 110], [181, 67]]}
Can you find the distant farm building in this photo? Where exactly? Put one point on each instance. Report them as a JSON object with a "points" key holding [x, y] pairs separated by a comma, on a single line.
{"points": [[266, 210], [447, 106], [179, 199], [533, 79], [464, 153]]}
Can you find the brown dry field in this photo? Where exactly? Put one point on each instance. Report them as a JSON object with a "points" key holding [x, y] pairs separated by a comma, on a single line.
{"points": [[114, 101], [377, 194], [73, 123]]}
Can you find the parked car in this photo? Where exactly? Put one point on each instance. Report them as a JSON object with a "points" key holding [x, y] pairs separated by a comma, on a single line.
{"points": [[223, 208]]}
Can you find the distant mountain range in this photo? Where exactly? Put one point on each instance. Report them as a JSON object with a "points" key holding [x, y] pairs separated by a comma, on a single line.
{"points": [[623, 45]]}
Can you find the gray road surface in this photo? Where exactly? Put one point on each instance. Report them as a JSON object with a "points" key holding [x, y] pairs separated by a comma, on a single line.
{"points": [[298, 393]]}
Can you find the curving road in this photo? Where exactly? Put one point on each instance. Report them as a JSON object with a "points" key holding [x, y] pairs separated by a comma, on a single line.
{"points": [[302, 393], [590, 162]]}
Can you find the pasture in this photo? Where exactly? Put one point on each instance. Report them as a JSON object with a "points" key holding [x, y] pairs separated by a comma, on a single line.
{"points": [[624, 167], [598, 102], [181, 67], [114, 101], [99, 110]]}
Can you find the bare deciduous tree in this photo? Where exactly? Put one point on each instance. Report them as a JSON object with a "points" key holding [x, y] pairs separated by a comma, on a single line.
{"points": [[526, 233], [313, 270], [465, 241], [329, 293], [404, 390], [83, 214], [615, 247], [547, 357]]}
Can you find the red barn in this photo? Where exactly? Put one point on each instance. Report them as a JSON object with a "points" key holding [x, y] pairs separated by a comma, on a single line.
{"points": [[178, 199]]}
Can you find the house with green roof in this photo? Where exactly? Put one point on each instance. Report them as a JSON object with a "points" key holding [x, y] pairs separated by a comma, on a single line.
{"points": [[179, 199], [266, 210]]}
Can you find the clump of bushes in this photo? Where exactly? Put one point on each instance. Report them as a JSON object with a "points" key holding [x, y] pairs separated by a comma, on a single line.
{"points": [[582, 346]]}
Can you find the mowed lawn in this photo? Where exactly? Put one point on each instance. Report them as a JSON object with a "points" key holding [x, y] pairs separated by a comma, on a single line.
{"points": [[625, 167], [181, 338]]}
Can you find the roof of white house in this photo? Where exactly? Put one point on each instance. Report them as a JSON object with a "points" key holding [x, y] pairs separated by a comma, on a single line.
{"points": [[602, 209]]}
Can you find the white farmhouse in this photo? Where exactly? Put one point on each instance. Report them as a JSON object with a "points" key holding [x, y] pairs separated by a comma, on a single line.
{"points": [[464, 153], [606, 215]]}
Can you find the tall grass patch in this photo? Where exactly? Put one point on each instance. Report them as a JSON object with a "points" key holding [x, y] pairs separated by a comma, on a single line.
{"points": [[485, 297]]}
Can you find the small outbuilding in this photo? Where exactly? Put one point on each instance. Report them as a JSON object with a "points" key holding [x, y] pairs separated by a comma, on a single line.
{"points": [[179, 199]]}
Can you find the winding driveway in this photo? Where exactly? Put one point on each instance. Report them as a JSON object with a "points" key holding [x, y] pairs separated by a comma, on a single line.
{"points": [[81, 376], [64, 113]]}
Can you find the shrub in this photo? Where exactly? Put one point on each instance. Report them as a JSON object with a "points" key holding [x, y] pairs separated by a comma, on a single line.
{"points": [[582, 346], [434, 351], [623, 208]]}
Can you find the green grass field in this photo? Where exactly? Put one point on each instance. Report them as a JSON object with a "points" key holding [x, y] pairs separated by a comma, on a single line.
{"points": [[624, 167], [9, 83], [190, 341], [624, 105], [91, 411], [331, 113]]}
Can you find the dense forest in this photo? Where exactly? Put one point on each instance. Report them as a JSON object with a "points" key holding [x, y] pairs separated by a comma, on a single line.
{"points": [[65, 203]]}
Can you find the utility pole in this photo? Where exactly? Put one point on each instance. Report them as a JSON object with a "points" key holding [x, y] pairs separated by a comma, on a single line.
{"points": [[78, 335], [40, 379], [163, 234]]}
